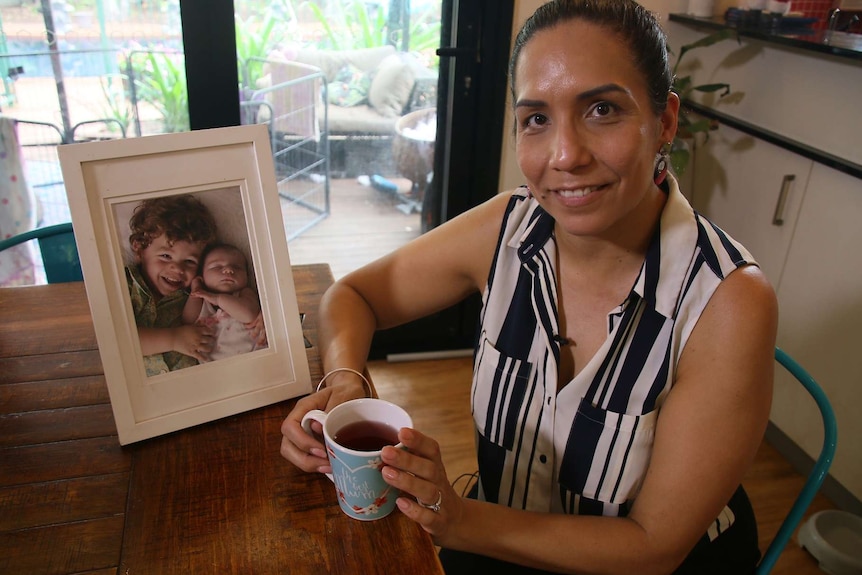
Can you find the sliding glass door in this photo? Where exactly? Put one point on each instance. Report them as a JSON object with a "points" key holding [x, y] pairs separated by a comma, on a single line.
{"points": [[471, 105], [349, 92], [386, 120]]}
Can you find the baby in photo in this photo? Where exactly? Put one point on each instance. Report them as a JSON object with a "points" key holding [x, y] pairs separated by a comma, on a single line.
{"points": [[222, 300]]}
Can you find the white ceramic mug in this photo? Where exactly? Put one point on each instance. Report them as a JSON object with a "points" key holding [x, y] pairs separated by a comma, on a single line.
{"points": [[355, 433]]}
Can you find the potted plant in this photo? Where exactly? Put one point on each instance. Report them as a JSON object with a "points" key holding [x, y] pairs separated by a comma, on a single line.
{"points": [[157, 78]]}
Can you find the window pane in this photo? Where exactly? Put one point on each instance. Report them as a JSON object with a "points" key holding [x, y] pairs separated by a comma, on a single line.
{"points": [[113, 69], [348, 91]]}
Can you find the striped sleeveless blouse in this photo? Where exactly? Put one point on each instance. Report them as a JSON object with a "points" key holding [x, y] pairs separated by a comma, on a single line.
{"points": [[585, 450]]}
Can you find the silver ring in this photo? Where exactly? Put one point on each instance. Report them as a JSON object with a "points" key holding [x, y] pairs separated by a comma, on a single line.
{"points": [[436, 506]]}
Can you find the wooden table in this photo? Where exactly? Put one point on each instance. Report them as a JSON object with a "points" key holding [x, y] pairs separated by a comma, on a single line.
{"points": [[216, 498]]}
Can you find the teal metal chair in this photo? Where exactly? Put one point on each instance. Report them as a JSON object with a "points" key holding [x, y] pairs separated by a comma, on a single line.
{"points": [[818, 472], [58, 248]]}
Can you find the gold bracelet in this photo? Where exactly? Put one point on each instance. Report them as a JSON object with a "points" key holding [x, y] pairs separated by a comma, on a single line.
{"points": [[322, 383]]}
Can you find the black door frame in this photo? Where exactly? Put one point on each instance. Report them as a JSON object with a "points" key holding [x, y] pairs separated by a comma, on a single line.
{"points": [[212, 78], [471, 107]]}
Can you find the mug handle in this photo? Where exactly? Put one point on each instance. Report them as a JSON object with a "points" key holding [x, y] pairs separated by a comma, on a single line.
{"points": [[320, 417]]}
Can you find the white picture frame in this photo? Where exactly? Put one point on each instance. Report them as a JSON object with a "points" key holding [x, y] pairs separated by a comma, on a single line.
{"points": [[230, 170]]}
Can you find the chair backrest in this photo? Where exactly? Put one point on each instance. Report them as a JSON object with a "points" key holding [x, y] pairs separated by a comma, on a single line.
{"points": [[58, 248], [294, 98], [818, 472]]}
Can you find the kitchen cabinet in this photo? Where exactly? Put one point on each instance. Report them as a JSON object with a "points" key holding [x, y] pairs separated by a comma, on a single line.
{"points": [[820, 302], [752, 190], [812, 261], [787, 115]]}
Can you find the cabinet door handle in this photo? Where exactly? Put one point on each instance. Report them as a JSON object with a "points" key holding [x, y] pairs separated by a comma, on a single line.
{"points": [[778, 216]]}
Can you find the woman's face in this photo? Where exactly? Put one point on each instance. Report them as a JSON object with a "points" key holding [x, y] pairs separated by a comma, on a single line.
{"points": [[586, 132]]}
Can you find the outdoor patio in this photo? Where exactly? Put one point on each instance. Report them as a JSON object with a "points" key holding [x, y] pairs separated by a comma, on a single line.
{"points": [[363, 225]]}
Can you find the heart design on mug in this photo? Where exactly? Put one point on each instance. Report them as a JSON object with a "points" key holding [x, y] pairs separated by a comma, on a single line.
{"points": [[375, 463], [366, 426]]}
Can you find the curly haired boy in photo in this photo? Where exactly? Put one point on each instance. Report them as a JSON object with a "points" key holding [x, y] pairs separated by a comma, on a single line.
{"points": [[168, 236]]}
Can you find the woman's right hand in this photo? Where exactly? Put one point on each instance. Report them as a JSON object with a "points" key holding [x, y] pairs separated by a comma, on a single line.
{"points": [[307, 452]]}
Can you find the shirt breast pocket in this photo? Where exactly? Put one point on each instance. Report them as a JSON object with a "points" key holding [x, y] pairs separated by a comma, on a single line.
{"points": [[499, 389], [607, 453]]}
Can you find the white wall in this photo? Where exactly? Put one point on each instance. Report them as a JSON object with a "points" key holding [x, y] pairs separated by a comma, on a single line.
{"points": [[510, 174]]}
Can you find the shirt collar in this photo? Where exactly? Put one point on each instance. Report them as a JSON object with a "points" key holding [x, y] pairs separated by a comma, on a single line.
{"points": [[668, 259], [535, 232]]}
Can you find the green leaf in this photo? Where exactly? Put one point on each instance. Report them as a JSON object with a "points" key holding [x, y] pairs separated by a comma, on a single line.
{"points": [[703, 42], [709, 40], [361, 17], [699, 126], [324, 22], [682, 85], [725, 88], [679, 160]]}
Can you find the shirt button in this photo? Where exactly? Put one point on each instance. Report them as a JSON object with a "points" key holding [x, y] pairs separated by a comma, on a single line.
{"points": [[549, 400], [543, 459]]}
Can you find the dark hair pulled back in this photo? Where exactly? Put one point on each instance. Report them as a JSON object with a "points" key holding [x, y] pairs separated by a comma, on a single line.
{"points": [[630, 21]]}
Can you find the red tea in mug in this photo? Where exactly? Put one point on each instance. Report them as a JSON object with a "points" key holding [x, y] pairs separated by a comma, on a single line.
{"points": [[366, 436]]}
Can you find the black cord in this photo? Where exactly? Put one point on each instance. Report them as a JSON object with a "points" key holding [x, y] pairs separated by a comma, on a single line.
{"points": [[471, 477]]}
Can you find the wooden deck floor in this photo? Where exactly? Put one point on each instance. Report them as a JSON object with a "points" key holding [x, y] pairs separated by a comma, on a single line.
{"points": [[363, 224]]}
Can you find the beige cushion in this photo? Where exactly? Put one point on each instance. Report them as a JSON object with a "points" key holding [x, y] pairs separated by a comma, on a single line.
{"points": [[359, 120], [391, 86], [331, 61]]}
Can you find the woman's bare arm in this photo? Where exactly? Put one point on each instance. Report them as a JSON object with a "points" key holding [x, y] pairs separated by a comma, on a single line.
{"points": [[429, 274]]}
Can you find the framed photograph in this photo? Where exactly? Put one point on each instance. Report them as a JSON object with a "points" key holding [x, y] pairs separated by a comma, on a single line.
{"points": [[185, 263]]}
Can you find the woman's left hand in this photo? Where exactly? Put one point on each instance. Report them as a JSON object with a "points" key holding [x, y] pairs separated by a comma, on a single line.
{"points": [[418, 472]]}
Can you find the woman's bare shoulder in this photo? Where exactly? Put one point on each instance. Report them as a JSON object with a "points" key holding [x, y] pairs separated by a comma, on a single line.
{"points": [[471, 237]]}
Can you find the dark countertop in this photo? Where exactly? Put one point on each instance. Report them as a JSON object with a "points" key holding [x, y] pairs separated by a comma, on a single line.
{"points": [[839, 44], [825, 158]]}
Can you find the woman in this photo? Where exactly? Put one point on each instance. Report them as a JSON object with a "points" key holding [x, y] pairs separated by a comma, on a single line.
{"points": [[623, 373]]}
